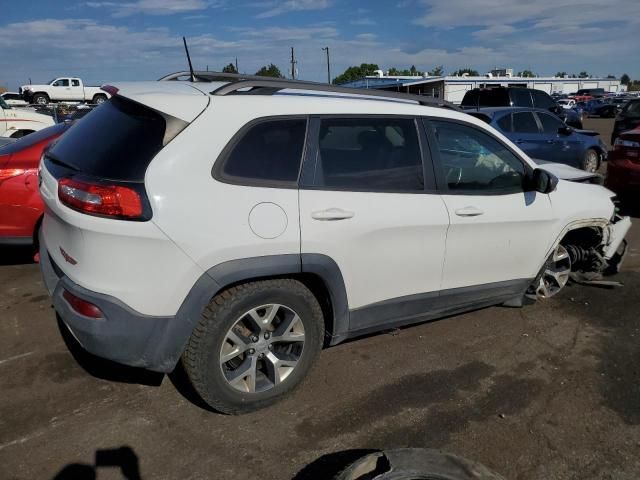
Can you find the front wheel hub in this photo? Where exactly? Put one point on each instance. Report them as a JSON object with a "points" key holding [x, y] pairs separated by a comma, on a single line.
{"points": [[555, 274]]}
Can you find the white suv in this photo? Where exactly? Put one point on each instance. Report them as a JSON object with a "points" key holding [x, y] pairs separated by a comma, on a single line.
{"points": [[241, 225]]}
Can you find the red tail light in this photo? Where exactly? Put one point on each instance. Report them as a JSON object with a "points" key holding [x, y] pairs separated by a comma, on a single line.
{"points": [[7, 173], [116, 201], [82, 306]]}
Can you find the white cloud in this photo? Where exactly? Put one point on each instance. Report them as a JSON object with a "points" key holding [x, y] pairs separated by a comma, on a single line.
{"points": [[279, 7], [363, 22], [154, 7]]}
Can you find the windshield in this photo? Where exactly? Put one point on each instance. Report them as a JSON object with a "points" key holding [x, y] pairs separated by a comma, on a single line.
{"points": [[3, 104], [632, 109], [51, 81]]}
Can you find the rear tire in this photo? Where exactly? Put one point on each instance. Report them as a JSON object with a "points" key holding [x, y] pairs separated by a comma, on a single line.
{"points": [[254, 344], [99, 99], [40, 99], [591, 161]]}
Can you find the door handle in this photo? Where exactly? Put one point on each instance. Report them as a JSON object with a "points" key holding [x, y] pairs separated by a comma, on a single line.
{"points": [[469, 212], [332, 214], [519, 141]]}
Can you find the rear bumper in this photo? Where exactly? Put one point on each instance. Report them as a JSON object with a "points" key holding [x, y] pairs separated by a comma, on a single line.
{"points": [[123, 335], [23, 241]]}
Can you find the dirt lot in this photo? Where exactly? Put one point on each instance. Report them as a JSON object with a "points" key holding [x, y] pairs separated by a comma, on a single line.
{"points": [[550, 391]]}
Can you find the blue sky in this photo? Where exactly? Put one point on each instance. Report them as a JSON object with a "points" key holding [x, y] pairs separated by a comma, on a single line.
{"points": [[104, 41]]}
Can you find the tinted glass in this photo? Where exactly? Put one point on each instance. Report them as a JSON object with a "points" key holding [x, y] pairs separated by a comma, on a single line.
{"points": [[494, 97], [520, 97], [270, 150], [62, 83], [550, 124], [504, 123], [75, 83], [369, 154], [116, 142], [632, 109], [524, 122], [474, 161], [542, 100]]}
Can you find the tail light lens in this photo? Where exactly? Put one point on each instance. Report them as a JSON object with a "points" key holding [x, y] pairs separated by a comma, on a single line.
{"points": [[7, 173], [620, 144], [81, 306], [106, 200]]}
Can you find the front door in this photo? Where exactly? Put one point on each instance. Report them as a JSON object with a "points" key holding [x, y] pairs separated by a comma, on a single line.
{"points": [[61, 89], [566, 147], [499, 233], [368, 205]]}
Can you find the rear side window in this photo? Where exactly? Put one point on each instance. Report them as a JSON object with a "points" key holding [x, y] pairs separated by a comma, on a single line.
{"points": [[505, 123], [369, 154], [632, 109], [116, 141], [491, 97], [524, 122], [268, 151], [520, 97]]}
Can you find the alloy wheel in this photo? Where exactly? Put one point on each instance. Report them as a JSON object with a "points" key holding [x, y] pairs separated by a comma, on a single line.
{"points": [[262, 348], [591, 161], [556, 273]]}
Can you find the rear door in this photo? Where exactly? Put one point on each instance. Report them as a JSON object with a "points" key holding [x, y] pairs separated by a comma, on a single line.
{"points": [[499, 232], [526, 134], [76, 92], [367, 201]]}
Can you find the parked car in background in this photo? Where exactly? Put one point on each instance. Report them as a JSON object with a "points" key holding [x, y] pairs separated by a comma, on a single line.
{"points": [[542, 135], [18, 122], [13, 99], [586, 94], [63, 89], [145, 272], [605, 110], [519, 97], [567, 103], [623, 167], [627, 119], [21, 207]]}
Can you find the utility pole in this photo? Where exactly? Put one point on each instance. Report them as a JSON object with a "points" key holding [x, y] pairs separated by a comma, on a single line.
{"points": [[293, 65], [237, 71], [326, 49]]}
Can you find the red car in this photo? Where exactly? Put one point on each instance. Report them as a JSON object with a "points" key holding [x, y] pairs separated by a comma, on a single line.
{"points": [[623, 166], [20, 205]]}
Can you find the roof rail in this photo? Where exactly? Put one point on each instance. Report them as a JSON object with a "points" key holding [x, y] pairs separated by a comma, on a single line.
{"points": [[257, 85]]}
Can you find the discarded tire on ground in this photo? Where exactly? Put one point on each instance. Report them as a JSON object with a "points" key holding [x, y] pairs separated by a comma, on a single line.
{"points": [[416, 464]]}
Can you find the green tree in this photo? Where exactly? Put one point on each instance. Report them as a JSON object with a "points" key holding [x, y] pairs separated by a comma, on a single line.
{"points": [[231, 68], [583, 74], [526, 74], [437, 71], [393, 71], [562, 74], [356, 73], [469, 71], [611, 76], [625, 79], [270, 71]]}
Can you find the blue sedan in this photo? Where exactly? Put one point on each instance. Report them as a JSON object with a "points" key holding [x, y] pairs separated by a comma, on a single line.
{"points": [[544, 136]]}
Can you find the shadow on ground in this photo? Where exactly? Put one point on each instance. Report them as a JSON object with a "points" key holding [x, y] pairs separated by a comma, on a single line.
{"points": [[123, 458], [16, 255]]}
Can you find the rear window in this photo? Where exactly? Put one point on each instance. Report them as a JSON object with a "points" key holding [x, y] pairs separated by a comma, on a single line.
{"points": [[117, 141], [495, 97], [33, 138], [521, 97]]}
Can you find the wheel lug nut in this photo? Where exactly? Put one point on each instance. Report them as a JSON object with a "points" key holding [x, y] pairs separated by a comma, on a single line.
{"points": [[270, 347], [261, 355], [251, 351], [254, 338], [267, 335]]}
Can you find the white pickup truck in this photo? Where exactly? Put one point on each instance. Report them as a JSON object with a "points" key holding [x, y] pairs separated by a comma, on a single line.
{"points": [[63, 89]]}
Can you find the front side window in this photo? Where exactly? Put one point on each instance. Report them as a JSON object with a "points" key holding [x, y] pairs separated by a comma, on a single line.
{"points": [[550, 124], [63, 82], [475, 162], [505, 123], [524, 122], [369, 154], [542, 100], [268, 151], [520, 97]]}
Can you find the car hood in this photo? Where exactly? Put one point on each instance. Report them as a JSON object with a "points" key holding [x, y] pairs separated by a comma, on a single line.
{"points": [[567, 172]]}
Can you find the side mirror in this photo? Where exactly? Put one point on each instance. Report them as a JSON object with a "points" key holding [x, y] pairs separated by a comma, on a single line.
{"points": [[543, 181], [565, 130]]}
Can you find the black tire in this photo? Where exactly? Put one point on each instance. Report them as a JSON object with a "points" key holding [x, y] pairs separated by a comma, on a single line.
{"points": [[99, 98], [201, 358], [40, 99], [416, 464], [591, 156]]}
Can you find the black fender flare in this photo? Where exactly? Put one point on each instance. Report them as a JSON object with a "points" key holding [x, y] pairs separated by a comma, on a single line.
{"points": [[172, 342]]}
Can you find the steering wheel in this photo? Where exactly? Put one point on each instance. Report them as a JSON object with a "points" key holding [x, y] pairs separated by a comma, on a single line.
{"points": [[454, 175]]}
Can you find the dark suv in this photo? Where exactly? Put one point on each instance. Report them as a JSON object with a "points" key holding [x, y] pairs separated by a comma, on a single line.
{"points": [[627, 119], [519, 97]]}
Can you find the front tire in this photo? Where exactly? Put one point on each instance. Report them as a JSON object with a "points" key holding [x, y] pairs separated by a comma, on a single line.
{"points": [[40, 99], [254, 344], [591, 161], [554, 275]]}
